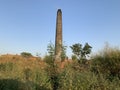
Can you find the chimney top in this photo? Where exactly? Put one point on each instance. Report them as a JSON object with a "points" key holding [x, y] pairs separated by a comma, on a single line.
{"points": [[59, 10]]}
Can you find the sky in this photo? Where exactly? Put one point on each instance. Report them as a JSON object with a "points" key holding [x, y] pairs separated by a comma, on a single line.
{"points": [[29, 25]]}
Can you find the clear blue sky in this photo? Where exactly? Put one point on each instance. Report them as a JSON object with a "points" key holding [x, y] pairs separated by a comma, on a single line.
{"points": [[29, 25]]}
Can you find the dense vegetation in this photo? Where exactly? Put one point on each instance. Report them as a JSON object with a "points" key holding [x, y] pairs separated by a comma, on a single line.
{"points": [[102, 72]]}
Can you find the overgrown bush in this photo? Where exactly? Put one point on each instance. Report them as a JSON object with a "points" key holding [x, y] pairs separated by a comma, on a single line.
{"points": [[26, 54], [52, 72], [74, 57], [107, 62], [85, 80]]}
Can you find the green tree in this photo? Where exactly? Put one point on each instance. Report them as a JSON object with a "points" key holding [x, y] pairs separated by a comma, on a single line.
{"points": [[81, 52], [51, 51], [74, 57], [86, 51], [76, 49], [49, 59], [26, 54]]}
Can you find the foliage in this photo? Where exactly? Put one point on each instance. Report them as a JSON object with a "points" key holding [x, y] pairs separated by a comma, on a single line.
{"points": [[19, 73], [74, 57], [76, 49], [51, 51], [51, 68], [26, 54], [63, 53], [53, 76], [86, 50], [107, 62], [6, 66], [85, 80], [81, 52], [48, 59]]}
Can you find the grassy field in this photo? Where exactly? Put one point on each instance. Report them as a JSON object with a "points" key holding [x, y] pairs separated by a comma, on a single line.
{"points": [[102, 72]]}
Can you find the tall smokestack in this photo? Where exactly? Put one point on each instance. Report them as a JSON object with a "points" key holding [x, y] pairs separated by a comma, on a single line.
{"points": [[58, 38]]}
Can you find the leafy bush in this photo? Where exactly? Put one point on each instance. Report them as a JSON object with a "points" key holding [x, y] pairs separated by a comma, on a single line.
{"points": [[74, 57], [85, 80], [26, 54], [107, 62], [52, 72]]}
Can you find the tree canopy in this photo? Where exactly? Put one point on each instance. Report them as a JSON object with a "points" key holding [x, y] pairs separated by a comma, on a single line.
{"points": [[81, 52], [26, 54]]}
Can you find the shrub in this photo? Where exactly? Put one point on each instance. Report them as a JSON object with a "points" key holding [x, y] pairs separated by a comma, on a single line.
{"points": [[107, 62], [52, 72], [26, 54], [74, 57]]}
